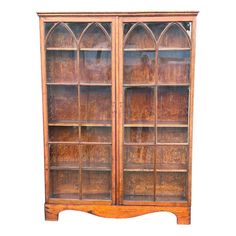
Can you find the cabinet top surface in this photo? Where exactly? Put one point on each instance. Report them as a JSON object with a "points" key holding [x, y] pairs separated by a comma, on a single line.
{"points": [[147, 13]]}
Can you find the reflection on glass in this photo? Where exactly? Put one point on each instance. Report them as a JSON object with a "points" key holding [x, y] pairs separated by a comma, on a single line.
{"points": [[139, 67], [95, 66], [139, 135]]}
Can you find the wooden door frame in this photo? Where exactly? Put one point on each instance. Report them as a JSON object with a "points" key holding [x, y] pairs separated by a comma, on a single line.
{"points": [[78, 19], [120, 104]]}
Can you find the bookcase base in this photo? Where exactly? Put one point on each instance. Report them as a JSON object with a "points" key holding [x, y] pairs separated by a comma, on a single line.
{"points": [[183, 214]]}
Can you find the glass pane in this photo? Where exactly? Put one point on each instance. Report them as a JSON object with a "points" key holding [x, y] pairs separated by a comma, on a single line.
{"points": [[174, 36], [172, 157], [62, 103], [139, 135], [138, 186], [157, 28], [139, 37], [96, 134], [172, 105], [95, 67], [171, 186], [96, 185], [61, 37], [96, 36], [64, 184], [95, 104], [139, 105], [139, 67], [172, 135], [174, 66], [61, 66], [63, 133], [64, 155], [96, 157], [139, 157]]}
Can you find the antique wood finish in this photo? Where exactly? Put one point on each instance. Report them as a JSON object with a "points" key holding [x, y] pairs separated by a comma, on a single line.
{"points": [[118, 112]]}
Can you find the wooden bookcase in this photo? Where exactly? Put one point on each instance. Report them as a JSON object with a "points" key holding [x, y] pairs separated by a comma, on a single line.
{"points": [[118, 107]]}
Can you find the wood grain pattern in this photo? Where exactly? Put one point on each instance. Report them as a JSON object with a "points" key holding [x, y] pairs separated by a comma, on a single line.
{"points": [[172, 104], [170, 185], [139, 105], [172, 135], [182, 213], [96, 155], [63, 133], [139, 157], [62, 103], [139, 135], [172, 157], [95, 104], [61, 66]]}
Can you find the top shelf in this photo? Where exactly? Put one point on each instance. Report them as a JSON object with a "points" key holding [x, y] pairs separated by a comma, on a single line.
{"points": [[109, 49], [154, 49], [75, 49]]}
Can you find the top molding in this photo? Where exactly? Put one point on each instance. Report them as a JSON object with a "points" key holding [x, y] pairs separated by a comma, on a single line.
{"points": [[148, 13]]}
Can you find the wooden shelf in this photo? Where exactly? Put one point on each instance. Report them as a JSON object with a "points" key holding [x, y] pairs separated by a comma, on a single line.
{"points": [[81, 143], [96, 124], [60, 49], [138, 170], [166, 198], [171, 125], [139, 85], [95, 84], [157, 170], [96, 168], [153, 125], [139, 125], [139, 144], [83, 124], [158, 84], [63, 124], [62, 84], [171, 170], [172, 144], [173, 49], [64, 168], [155, 144], [77, 168], [139, 49], [174, 84], [95, 49]]}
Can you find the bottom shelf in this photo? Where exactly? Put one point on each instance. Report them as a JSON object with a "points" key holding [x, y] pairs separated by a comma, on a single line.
{"points": [[158, 198], [88, 185], [86, 197]]}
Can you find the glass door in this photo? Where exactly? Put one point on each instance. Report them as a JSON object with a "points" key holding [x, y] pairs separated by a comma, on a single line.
{"points": [[154, 93], [81, 93]]}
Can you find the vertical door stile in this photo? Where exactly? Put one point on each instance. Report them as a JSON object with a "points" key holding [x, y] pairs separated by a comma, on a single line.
{"points": [[190, 109], [114, 78], [120, 115], [155, 127], [45, 110]]}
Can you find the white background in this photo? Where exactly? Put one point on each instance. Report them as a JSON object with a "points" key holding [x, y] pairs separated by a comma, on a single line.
{"points": [[21, 144]]}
